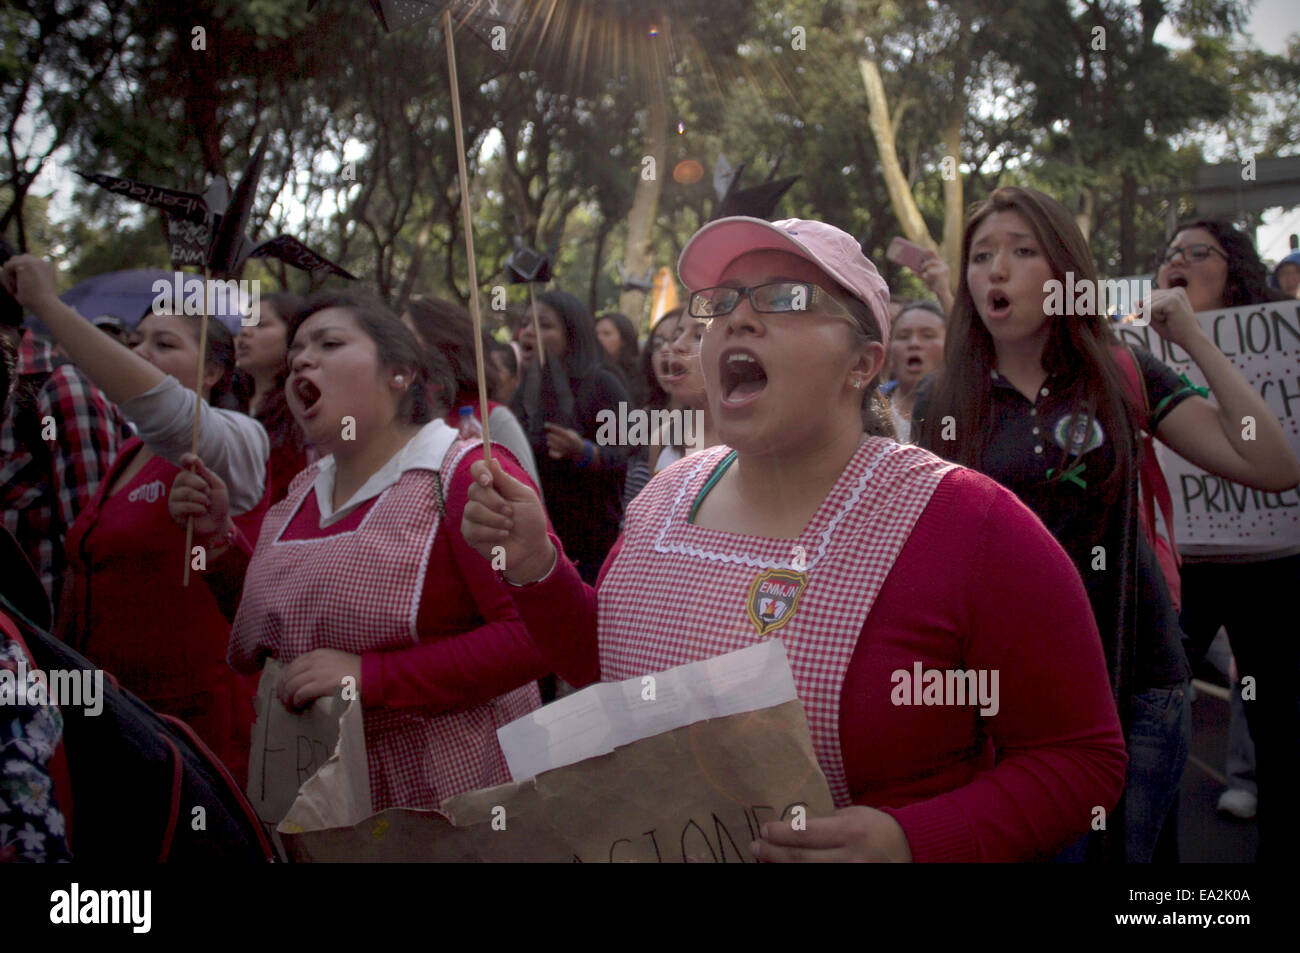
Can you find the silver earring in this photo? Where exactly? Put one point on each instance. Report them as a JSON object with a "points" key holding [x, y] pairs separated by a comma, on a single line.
{"points": [[400, 379], [857, 383]]}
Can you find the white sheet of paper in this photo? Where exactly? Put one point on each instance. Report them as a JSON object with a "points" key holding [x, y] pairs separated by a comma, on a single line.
{"points": [[608, 715]]}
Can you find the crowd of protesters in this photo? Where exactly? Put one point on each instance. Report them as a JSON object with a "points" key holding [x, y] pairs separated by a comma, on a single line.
{"points": [[950, 468]]}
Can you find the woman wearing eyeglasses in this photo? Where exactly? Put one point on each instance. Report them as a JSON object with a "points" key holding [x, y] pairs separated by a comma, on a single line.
{"points": [[1038, 403], [1207, 266], [885, 559], [654, 379], [684, 383]]}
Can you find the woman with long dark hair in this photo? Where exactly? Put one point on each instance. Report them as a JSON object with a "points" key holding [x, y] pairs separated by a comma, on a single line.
{"points": [[1209, 265], [1036, 399], [260, 357], [361, 571], [126, 608], [558, 405]]}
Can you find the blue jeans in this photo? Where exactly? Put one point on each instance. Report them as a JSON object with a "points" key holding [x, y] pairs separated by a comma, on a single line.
{"points": [[1159, 742]]}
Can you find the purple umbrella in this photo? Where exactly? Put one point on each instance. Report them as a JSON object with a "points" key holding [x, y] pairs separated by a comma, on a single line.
{"points": [[129, 294]]}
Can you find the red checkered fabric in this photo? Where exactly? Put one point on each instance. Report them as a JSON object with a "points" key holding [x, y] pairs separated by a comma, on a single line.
{"points": [[359, 591], [677, 592], [42, 489]]}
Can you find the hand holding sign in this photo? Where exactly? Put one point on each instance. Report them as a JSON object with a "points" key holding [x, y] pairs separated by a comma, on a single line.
{"points": [[318, 674], [855, 834], [289, 749]]}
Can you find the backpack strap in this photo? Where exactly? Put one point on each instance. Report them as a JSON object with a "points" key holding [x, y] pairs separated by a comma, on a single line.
{"points": [[1154, 487], [174, 803], [254, 823]]}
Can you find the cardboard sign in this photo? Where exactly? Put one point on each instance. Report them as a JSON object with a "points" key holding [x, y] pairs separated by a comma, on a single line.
{"points": [[697, 793], [289, 748], [682, 765], [1213, 515]]}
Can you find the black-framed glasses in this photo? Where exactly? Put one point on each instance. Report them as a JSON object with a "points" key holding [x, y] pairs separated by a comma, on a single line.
{"points": [[1191, 253], [776, 297]]}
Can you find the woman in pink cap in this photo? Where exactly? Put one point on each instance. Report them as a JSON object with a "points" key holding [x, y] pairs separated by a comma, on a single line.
{"points": [[889, 558]]}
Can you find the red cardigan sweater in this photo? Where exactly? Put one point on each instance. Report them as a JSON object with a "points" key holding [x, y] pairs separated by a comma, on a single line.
{"points": [[979, 584]]}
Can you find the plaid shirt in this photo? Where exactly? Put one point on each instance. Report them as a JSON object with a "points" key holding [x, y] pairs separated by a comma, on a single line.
{"points": [[43, 488]]}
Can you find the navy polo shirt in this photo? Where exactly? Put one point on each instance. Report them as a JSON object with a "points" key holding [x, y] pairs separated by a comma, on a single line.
{"points": [[1026, 439]]}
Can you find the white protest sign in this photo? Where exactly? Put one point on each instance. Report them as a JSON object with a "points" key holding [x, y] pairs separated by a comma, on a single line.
{"points": [[1212, 515]]}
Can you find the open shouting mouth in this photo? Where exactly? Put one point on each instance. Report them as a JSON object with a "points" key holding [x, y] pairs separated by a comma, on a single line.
{"points": [[675, 372], [308, 395], [999, 305], [743, 377]]}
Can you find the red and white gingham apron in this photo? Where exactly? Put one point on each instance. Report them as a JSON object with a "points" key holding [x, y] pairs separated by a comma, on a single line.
{"points": [[359, 591], [677, 592]]}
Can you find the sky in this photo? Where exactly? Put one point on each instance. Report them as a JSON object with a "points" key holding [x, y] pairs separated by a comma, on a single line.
{"points": [[1271, 23]]}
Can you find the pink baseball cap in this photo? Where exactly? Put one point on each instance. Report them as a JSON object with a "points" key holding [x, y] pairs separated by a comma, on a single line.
{"points": [[836, 252]]}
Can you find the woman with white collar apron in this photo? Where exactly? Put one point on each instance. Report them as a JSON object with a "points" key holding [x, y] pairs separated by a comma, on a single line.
{"points": [[870, 560], [361, 571]]}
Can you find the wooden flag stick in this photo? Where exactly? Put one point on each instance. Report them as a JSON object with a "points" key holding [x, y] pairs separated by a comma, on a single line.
{"points": [[198, 394], [537, 327], [469, 234]]}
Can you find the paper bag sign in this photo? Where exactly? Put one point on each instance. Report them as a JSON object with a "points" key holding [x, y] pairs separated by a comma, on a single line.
{"points": [[698, 793], [289, 748], [693, 791]]}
